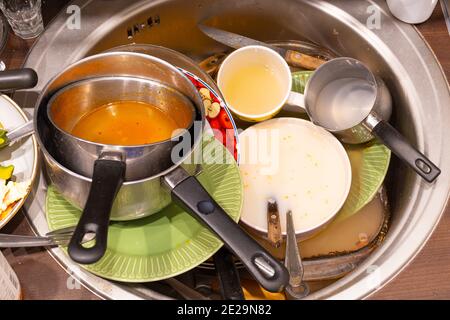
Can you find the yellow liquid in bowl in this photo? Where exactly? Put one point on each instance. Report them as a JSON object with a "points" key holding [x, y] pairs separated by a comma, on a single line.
{"points": [[125, 123], [253, 90]]}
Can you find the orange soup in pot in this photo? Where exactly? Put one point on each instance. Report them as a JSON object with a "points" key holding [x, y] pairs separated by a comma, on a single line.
{"points": [[125, 123]]}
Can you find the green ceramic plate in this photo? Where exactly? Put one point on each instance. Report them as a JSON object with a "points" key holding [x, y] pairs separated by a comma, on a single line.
{"points": [[299, 80], [165, 244], [369, 163]]}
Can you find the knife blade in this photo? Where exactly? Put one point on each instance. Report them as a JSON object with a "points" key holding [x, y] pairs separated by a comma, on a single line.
{"points": [[237, 41], [296, 289]]}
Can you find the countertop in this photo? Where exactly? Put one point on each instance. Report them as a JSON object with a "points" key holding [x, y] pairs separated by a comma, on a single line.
{"points": [[426, 277]]}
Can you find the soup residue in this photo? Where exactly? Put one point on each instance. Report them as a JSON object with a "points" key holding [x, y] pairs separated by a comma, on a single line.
{"points": [[125, 123]]}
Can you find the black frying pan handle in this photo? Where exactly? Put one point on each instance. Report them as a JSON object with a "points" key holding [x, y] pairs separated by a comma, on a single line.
{"points": [[106, 182], [192, 197], [18, 79], [405, 151]]}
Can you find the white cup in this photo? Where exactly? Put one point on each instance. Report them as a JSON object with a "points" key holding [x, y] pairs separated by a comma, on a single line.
{"points": [[412, 11], [269, 58]]}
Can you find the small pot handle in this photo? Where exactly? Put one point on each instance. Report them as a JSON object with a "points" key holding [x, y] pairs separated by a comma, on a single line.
{"points": [[192, 197], [106, 182], [295, 103], [18, 79], [405, 151]]}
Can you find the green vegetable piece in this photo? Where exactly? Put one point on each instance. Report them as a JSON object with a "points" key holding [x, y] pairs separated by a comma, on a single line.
{"points": [[6, 172], [3, 138]]}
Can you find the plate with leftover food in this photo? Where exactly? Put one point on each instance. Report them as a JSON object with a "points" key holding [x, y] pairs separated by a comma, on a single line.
{"points": [[18, 162]]}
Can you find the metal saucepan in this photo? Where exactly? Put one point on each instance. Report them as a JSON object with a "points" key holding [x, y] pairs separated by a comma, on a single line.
{"points": [[171, 56], [68, 105], [346, 98], [110, 165], [173, 182]]}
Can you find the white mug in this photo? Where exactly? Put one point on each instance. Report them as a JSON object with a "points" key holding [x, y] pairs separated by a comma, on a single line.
{"points": [[276, 63], [412, 11]]}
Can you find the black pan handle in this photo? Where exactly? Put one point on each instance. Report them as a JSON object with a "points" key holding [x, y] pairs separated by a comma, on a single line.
{"points": [[405, 151], [18, 79], [106, 182], [230, 283], [192, 197]]}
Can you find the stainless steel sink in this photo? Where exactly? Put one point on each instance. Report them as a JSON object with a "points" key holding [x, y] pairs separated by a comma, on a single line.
{"points": [[396, 52]]}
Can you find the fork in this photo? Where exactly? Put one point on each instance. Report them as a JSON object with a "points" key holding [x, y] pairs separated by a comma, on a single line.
{"points": [[59, 237]]}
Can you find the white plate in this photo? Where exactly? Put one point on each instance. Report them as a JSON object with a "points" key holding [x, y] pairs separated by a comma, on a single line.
{"points": [[311, 170], [22, 154]]}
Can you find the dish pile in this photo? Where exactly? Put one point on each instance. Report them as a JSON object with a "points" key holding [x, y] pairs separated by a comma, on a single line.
{"points": [[141, 153]]}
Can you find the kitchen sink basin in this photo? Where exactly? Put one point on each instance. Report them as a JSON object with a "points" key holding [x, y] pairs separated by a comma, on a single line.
{"points": [[393, 50]]}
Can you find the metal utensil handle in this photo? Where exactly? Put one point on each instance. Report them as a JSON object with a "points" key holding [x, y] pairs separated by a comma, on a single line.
{"points": [[62, 231], [15, 241], [230, 283], [20, 132], [18, 79], [186, 292], [405, 151], [106, 181], [192, 197]]}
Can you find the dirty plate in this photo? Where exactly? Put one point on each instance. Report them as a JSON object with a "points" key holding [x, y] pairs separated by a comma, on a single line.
{"points": [[23, 154], [168, 243]]}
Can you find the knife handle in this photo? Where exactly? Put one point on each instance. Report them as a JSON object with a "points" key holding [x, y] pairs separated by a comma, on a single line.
{"points": [[297, 59]]}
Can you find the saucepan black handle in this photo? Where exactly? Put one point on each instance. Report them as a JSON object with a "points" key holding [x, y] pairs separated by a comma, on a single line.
{"points": [[18, 79], [106, 182], [192, 197], [405, 151]]}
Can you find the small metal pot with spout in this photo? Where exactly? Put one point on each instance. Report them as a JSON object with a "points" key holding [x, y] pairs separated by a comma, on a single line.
{"points": [[364, 107]]}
